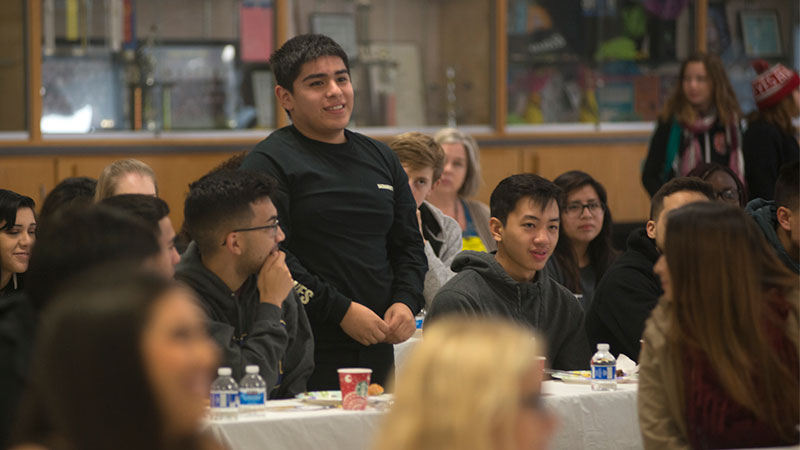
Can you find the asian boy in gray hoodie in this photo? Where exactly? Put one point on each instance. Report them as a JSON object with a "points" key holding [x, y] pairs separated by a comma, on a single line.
{"points": [[510, 282]]}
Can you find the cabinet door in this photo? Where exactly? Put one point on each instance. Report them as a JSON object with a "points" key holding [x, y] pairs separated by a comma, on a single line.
{"points": [[33, 176]]}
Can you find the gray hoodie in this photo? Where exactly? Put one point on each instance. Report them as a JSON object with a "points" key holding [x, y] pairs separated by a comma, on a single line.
{"points": [[482, 287], [764, 212], [278, 340]]}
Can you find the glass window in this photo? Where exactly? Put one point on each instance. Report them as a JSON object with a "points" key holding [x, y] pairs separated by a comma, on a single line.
{"points": [[414, 63], [593, 61], [152, 65], [13, 109]]}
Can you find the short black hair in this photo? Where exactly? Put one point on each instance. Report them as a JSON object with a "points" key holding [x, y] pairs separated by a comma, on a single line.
{"points": [[787, 186], [287, 61], [70, 191], [692, 184], [705, 170], [220, 200], [10, 202], [83, 238], [146, 207], [509, 192]]}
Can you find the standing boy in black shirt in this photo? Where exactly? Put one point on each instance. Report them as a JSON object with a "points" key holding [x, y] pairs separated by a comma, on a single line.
{"points": [[352, 238]]}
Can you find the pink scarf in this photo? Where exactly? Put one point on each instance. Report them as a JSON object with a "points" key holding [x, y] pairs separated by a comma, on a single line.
{"points": [[696, 153]]}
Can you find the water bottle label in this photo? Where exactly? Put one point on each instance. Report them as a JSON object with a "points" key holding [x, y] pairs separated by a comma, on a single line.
{"points": [[604, 372], [251, 398], [224, 400]]}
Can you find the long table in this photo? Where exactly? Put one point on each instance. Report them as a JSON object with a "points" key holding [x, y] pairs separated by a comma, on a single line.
{"points": [[588, 419]]}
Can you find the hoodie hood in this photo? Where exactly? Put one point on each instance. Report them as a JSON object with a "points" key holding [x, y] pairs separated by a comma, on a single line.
{"points": [[490, 270], [764, 212], [639, 241]]}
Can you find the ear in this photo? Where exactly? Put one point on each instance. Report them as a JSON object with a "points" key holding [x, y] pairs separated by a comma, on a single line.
{"points": [[651, 229], [285, 98], [784, 216], [496, 228], [232, 243]]}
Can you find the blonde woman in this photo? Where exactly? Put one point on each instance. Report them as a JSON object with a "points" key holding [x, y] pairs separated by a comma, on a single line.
{"points": [[470, 385], [126, 176], [459, 182]]}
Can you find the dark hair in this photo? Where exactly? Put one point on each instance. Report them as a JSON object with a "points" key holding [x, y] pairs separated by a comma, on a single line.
{"points": [[678, 184], [81, 239], [146, 207], [288, 60], [89, 353], [786, 186], [233, 163], [601, 251], [221, 200], [511, 189], [70, 191], [10, 203], [705, 170], [739, 313]]}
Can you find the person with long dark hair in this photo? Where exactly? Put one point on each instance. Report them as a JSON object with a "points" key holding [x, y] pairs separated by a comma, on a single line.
{"points": [[719, 364], [699, 124], [123, 360], [584, 249], [17, 236]]}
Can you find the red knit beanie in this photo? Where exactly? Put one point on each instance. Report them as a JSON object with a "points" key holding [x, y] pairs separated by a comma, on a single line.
{"points": [[772, 83]]}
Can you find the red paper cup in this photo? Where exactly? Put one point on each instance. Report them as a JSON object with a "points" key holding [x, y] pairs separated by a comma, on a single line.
{"points": [[354, 384]]}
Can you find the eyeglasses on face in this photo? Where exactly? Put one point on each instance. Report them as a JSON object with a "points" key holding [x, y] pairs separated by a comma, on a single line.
{"points": [[576, 209], [728, 195], [273, 228]]}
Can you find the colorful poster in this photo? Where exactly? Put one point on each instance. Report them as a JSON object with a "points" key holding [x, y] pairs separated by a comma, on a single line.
{"points": [[255, 34]]}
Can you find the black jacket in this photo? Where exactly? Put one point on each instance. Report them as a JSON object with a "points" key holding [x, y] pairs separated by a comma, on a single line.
{"points": [[278, 340], [481, 287], [766, 148], [624, 298]]}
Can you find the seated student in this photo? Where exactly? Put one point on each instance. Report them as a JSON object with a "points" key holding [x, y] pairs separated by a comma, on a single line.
{"points": [[510, 283], [584, 249], [719, 365], [778, 219], [155, 213], [630, 289], [126, 176], [471, 384], [17, 236], [132, 350], [460, 181], [70, 191], [423, 160], [81, 239], [243, 283], [727, 186]]}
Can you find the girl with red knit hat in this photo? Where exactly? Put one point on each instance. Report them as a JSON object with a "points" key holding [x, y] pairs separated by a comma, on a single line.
{"points": [[771, 139], [699, 125]]}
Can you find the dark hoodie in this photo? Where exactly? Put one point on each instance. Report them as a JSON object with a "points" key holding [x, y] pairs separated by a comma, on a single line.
{"points": [[625, 297], [765, 213], [482, 287], [278, 340]]}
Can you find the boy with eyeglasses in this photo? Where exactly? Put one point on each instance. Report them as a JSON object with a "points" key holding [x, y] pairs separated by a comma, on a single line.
{"points": [[241, 279], [511, 283]]}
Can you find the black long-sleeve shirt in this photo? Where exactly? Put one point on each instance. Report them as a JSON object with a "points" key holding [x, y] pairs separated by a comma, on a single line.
{"points": [[350, 224], [766, 149]]}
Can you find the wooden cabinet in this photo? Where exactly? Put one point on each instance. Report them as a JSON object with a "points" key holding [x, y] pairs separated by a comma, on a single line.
{"points": [[33, 176]]}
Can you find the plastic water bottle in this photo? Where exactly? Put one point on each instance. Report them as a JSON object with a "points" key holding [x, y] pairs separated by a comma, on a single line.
{"points": [[252, 391], [224, 396], [604, 369]]}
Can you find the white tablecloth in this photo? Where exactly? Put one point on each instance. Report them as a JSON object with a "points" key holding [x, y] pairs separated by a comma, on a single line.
{"points": [[590, 420]]}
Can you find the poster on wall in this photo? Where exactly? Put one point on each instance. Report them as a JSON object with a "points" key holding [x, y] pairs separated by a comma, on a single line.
{"points": [[761, 33]]}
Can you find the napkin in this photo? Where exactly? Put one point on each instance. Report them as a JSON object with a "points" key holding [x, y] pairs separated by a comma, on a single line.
{"points": [[627, 365]]}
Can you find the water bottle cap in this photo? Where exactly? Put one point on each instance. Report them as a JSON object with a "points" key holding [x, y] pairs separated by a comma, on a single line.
{"points": [[603, 347], [224, 371], [251, 369]]}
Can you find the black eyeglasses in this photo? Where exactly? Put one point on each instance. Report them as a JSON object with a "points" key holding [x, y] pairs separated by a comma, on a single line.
{"points": [[728, 195], [273, 227], [576, 209]]}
